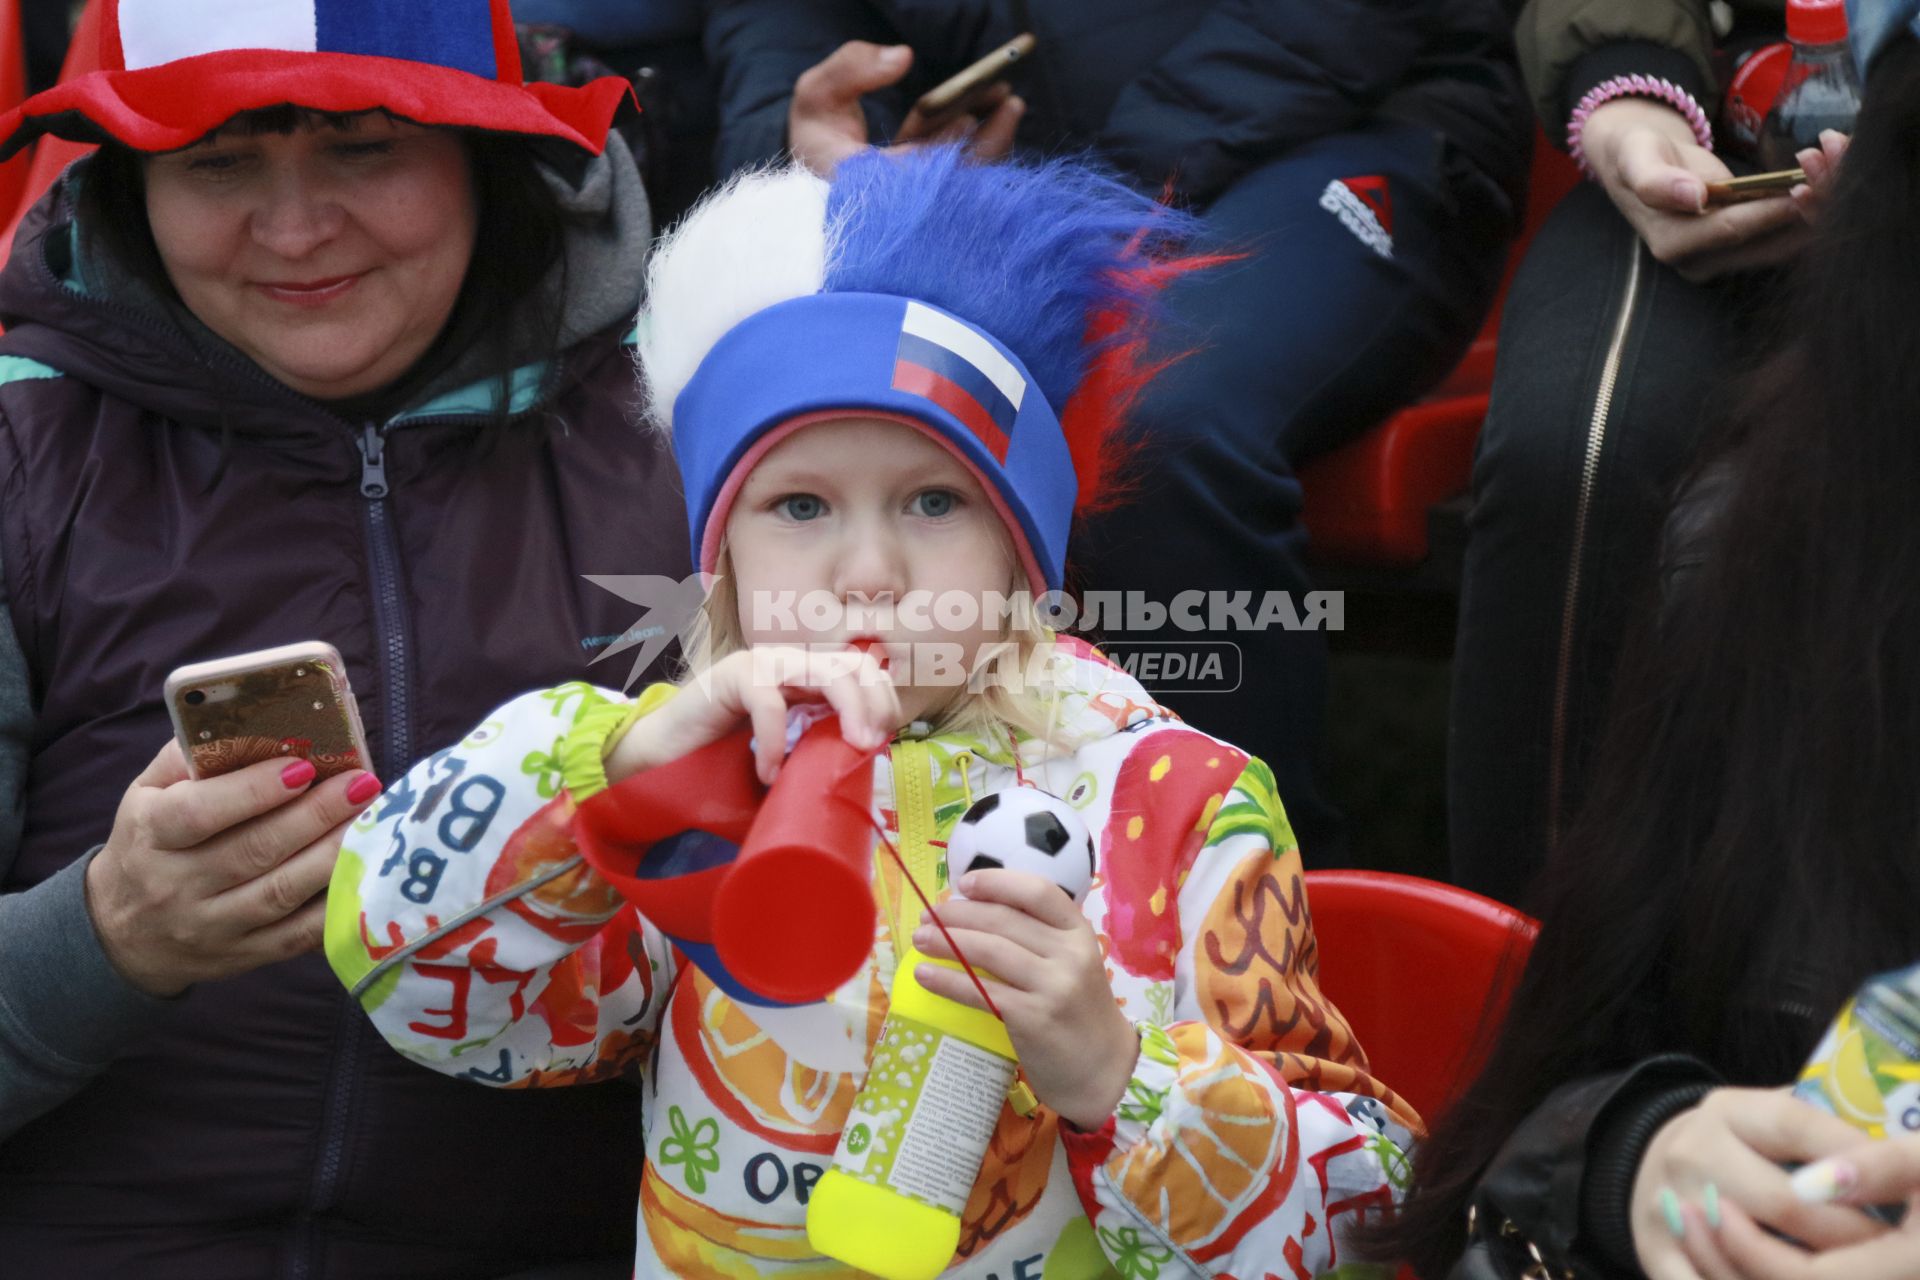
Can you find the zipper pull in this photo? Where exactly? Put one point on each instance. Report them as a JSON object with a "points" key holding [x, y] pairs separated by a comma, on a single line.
{"points": [[373, 464]]}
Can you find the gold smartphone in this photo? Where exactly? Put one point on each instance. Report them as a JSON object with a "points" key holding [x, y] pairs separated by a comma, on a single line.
{"points": [[1755, 186], [950, 98], [287, 703]]}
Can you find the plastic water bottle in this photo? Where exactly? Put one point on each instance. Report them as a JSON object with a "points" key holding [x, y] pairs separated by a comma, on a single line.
{"points": [[1821, 89]]}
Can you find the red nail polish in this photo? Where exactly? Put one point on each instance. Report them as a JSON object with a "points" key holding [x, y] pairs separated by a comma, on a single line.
{"points": [[363, 788], [297, 775]]}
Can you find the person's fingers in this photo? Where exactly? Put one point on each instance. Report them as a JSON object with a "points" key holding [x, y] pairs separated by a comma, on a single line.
{"points": [[1834, 144], [990, 917], [1814, 162], [262, 845], [766, 708], [855, 69], [1010, 963], [167, 767], [1883, 1171], [1692, 243], [1701, 1243], [281, 891], [193, 812], [1772, 250], [296, 935], [955, 985], [993, 140], [1649, 169], [919, 127], [1030, 894]]}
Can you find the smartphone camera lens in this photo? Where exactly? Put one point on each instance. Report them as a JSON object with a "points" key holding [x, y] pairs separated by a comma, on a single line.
{"points": [[195, 697]]}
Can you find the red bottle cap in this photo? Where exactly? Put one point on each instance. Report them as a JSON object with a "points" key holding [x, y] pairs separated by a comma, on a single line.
{"points": [[1816, 21]]}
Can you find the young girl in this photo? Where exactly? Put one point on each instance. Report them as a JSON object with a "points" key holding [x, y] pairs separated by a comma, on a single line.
{"points": [[895, 390]]}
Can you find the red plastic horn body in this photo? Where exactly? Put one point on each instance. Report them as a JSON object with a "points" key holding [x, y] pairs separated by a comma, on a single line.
{"points": [[794, 917]]}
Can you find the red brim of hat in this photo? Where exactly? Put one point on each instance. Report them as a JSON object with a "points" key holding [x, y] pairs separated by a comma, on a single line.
{"points": [[172, 105]]}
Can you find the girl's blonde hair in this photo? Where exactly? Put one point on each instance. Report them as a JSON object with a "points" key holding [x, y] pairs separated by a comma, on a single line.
{"points": [[1028, 701]]}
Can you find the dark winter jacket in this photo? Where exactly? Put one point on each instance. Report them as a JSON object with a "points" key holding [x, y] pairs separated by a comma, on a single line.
{"points": [[1192, 92], [162, 500]]}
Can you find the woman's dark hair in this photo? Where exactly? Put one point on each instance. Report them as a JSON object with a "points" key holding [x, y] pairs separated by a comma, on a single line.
{"points": [[518, 244], [1751, 840]]}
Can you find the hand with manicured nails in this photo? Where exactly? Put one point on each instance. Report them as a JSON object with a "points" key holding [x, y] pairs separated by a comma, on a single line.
{"points": [[757, 686], [825, 124], [1885, 1171], [1656, 173], [1725, 1159], [208, 878], [1037, 956]]}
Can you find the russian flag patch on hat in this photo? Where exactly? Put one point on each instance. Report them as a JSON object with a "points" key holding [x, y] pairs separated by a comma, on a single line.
{"points": [[456, 34], [942, 360]]}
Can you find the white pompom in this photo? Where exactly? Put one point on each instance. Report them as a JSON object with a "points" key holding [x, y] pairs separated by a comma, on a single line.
{"points": [[759, 240]]}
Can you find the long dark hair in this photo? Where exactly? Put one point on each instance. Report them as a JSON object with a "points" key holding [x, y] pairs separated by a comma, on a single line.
{"points": [[510, 303], [1751, 843]]}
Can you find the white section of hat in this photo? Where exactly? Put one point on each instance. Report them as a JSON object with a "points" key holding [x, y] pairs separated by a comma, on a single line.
{"points": [[157, 31], [943, 330]]}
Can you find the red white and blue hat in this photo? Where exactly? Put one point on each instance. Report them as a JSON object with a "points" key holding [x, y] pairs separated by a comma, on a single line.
{"points": [[173, 71], [1001, 309]]}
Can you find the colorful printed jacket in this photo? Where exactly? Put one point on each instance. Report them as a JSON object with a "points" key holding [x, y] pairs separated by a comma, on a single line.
{"points": [[1250, 1131]]}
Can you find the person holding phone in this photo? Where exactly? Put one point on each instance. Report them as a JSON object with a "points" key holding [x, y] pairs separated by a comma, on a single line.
{"points": [[328, 341], [1363, 160], [1744, 860], [1624, 324]]}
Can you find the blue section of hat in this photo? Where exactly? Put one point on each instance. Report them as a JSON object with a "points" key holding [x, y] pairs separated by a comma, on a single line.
{"points": [[445, 33]]}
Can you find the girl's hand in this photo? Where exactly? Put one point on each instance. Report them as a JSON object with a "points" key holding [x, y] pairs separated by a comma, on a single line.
{"points": [[1724, 1157], [1645, 155], [208, 878], [1822, 164], [1038, 957], [1872, 1172], [758, 685]]}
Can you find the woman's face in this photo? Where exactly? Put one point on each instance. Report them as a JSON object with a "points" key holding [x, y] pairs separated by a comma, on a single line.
{"points": [[330, 255]]}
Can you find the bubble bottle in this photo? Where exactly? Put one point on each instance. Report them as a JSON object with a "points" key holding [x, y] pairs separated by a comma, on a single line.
{"points": [[914, 1141]]}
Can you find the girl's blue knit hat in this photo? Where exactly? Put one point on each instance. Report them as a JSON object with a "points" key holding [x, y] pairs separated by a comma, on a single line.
{"points": [[1001, 308]]}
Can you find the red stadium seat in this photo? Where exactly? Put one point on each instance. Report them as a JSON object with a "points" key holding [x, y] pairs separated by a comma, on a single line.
{"points": [[1367, 501], [51, 156], [13, 90], [1417, 968]]}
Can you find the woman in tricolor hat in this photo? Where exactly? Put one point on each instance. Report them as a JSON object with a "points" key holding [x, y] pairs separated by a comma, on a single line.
{"points": [[329, 340], [889, 397]]}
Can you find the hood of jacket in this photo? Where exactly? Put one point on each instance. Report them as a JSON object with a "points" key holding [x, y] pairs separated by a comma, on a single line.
{"points": [[66, 302]]}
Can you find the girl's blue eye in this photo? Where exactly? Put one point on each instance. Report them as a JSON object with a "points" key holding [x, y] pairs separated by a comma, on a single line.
{"points": [[801, 506], [361, 150], [218, 162], [936, 503]]}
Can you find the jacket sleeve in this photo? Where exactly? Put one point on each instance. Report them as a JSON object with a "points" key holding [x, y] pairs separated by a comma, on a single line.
{"points": [[464, 920], [1256, 78], [758, 48], [1251, 1126], [1568, 46], [65, 1012], [1562, 1183]]}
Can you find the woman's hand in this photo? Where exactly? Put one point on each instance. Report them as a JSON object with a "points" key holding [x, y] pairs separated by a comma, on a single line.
{"points": [[825, 124], [1656, 173], [1872, 1172], [204, 879], [758, 685], [1724, 1157], [1037, 956]]}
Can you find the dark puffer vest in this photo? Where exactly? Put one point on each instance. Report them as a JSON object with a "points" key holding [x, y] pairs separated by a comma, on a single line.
{"points": [[161, 503]]}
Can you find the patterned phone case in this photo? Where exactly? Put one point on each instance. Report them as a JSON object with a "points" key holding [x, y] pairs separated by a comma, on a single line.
{"points": [[296, 709]]}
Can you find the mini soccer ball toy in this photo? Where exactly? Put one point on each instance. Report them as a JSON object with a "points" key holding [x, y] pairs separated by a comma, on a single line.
{"points": [[1023, 829]]}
